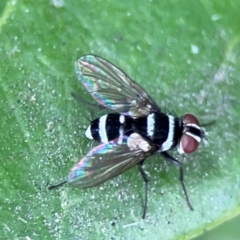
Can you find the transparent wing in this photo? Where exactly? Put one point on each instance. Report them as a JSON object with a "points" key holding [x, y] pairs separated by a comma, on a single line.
{"points": [[107, 161], [112, 88]]}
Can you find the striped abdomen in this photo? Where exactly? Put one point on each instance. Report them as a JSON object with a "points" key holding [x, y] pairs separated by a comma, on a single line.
{"points": [[157, 128], [109, 127]]}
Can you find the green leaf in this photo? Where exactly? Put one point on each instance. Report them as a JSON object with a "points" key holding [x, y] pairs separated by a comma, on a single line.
{"points": [[184, 53]]}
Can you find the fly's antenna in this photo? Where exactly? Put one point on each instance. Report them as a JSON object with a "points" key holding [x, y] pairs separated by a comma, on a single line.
{"points": [[208, 124]]}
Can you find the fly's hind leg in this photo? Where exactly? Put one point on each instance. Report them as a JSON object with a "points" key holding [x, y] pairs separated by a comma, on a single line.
{"points": [[146, 180]]}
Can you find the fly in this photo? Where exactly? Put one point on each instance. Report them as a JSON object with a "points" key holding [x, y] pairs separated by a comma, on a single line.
{"points": [[136, 129]]}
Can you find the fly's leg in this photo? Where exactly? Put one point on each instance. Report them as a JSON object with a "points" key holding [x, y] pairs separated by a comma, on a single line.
{"points": [[146, 180], [83, 101], [57, 185], [181, 175]]}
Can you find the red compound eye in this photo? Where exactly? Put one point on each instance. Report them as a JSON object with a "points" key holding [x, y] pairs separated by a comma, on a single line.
{"points": [[189, 118], [188, 144]]}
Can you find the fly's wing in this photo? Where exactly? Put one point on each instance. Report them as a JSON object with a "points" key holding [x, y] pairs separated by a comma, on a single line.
{"points": [[107, 161], [112, 88]]}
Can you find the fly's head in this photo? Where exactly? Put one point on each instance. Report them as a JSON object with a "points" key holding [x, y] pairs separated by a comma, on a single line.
{"points": [[192, 134]]}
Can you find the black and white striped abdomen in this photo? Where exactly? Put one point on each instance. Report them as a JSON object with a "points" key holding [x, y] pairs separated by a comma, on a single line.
{"points": [[109, 127], [156, 128]]}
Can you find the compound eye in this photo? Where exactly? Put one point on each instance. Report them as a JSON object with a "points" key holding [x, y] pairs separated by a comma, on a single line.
{"points": [[187, 144], [189, 118]]}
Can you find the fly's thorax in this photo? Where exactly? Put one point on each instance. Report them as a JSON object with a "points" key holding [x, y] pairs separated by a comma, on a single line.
{"points": [[169, 142], [161, 130], [192, 134], [108, 127]]}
